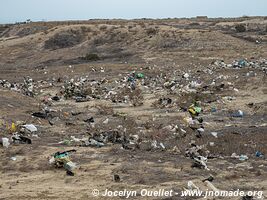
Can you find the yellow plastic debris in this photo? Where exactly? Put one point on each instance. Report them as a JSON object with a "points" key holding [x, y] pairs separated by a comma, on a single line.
{"points": [[192, 111], [13, 127]]}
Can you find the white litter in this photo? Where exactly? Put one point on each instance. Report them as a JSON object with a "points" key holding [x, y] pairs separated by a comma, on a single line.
{"points": [[30, 127], [215, 134], [106, 121], [5, 142], [13, 158]]}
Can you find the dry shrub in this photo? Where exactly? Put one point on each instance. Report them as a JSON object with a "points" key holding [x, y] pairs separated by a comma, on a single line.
{"points": [[104, 109], [194, 24], [151, 31], [240, 28], [103, 27], [136, 97], [142, 24], [112, 29], [91, 57], [99, 40], [161, 42], [130, 124], [86, 29], [64, 40]]}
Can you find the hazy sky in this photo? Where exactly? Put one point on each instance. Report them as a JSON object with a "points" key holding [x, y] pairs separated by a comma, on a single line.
{"points": [[37, 10]]}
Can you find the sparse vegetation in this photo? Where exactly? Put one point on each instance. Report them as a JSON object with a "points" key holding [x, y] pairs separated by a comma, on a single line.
{"points": [[103, 27], [151, 31], [63, 40], [91, 57], [240, 28], [194, 24], [86, 29]]}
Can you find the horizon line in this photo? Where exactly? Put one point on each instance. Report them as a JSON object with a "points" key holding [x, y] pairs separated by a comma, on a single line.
{"points": [[131, 19]]}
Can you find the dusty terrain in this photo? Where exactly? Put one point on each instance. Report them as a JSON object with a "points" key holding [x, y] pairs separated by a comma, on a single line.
{"points": [[185, 60]]}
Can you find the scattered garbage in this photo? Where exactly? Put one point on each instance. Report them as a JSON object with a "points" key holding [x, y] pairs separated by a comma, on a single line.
{"points": [[13, 158], [27, 87], [69, 173], [213, 109], [69, 166], [215, 134], [92, 142], [106, 121], [200, 130], [212, 144], [241, 157], [241, 63], [89, 120], [39, 115], [210, 179], [164, 103], [259, 154], [200, 162], [162, 145], [238, 113], [140, 75], [116, 178], [5, 142], [62, 160], [151, 132], [247, 197], [30, 127], [55, 98], [82, 99], [194, 110], [191, 186], [186, 75], [196, 153], [20, 139], [13, 127]]}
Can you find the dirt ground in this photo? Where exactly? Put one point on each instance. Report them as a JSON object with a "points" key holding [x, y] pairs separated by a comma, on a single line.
{"points": [[105, 53]]}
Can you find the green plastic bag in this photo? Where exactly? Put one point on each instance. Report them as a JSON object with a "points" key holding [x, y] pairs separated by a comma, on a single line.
{"points": [[197, 109], [140, 75]]}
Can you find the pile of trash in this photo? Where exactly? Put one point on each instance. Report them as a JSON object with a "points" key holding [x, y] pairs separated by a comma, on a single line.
{"points": [[99, 139], [84, 90], [27, 88], [62, 160], [11, 86], [164, 102], [195, 122], [198, 155], [49, 114], [20, 134], [74, 88], [242, 63]]}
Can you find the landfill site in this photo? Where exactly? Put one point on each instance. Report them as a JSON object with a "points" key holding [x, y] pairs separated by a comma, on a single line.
{"points": [[149, 106]]}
